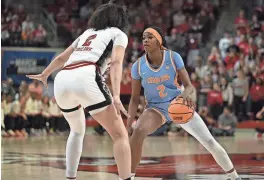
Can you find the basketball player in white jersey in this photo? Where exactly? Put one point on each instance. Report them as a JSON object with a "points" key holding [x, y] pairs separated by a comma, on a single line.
{"points": [[79, 85]]}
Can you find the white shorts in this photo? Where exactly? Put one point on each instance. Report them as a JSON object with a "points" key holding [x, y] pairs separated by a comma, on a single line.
{"points": [[81, 87]]}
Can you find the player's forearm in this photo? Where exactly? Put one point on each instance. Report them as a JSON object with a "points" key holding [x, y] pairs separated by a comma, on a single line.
{"points": [[132, 109], [56, 64], [189, 89], [116, 76]]}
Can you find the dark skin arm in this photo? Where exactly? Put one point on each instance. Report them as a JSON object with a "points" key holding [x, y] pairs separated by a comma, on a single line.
{"points": [[133, 104], [188, 87]]}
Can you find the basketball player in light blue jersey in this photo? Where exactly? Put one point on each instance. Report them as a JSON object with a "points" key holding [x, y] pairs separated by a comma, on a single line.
{"points": [[157, 71]]}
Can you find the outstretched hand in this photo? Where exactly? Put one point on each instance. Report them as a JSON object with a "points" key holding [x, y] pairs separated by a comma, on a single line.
{"points": [[39, 77], [119, 107]]}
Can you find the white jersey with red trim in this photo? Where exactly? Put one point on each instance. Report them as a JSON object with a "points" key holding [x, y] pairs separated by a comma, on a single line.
{"points": [[96, 46]]}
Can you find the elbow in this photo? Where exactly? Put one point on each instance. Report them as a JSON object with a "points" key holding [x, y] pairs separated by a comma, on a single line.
{"points": [[115, 63]]}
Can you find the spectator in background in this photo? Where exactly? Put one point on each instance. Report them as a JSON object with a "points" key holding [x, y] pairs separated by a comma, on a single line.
{"points": [[201, 70], [253, 48], [178, 18], [227, 92], [19, 118], [197, 29], [215, 101], [203, 17], [214, 56], [36, 87], [134, 52], [238, 36], [23, 90], [176, 41], [255, 26], [230, 60], [86, 11], [260, 40], [139, 23], [39, 36], [193, 52], [224, 43], [215, 73], [206, 86], [260, 116], [243, 44], [240, 64], [126, 87], [8, 119], [46, 114], [222, 72], [207, 117], [4, 32], [32, 112], [226, 123], [241, 88], [62, 16], [15, 32], [241, 22], [28, 25], [20, 12], [27, 31], [3, 129], [195, 80], [233, 47], [8, 89], [257, 95]]}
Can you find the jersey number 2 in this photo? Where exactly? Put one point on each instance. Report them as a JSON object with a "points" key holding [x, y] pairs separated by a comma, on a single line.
{"points": [[89, 40], [161, 89]]}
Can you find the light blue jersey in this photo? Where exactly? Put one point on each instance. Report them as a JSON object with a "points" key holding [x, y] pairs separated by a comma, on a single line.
{"points": [[160, 85]]}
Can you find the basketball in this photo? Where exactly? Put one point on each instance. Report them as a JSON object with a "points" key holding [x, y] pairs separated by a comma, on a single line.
{"points": [[179, 112]]}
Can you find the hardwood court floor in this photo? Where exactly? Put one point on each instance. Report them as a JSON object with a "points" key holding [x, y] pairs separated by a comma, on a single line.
{"points": [[43, 158]]}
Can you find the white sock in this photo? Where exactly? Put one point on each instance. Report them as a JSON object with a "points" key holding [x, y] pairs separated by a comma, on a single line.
{"points": [[133, 175], [126, 178], [233, 175], [73, 153], [197, 128]]}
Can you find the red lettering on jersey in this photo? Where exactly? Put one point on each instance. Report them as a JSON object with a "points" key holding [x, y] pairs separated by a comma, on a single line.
{"points": [[89, 40]]}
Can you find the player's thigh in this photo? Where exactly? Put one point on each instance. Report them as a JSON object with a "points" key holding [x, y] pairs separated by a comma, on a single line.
{"points": [[64, 94], [112, 122], [149, 121], [95, 96]]}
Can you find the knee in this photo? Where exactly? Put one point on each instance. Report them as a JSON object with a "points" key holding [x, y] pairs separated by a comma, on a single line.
{"points": [[215, 147], [77, 134], [119, 135], [140, 131]]}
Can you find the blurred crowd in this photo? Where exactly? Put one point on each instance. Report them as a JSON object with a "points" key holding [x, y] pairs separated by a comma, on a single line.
{"points": [[229, 82], [18, 28], [186, 23], [26, 111]]}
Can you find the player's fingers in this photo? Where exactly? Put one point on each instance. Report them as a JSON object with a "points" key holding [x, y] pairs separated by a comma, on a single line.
{"points": [[117, 109], [124, 111], [45, 84]]}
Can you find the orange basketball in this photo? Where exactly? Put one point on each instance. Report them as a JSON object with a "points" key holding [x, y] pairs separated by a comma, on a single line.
{"points": [[179, 112]]}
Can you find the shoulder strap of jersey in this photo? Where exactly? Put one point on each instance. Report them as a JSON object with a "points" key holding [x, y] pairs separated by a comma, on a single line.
{"points": [[176, 83], [173, 61], [139, 66]]}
